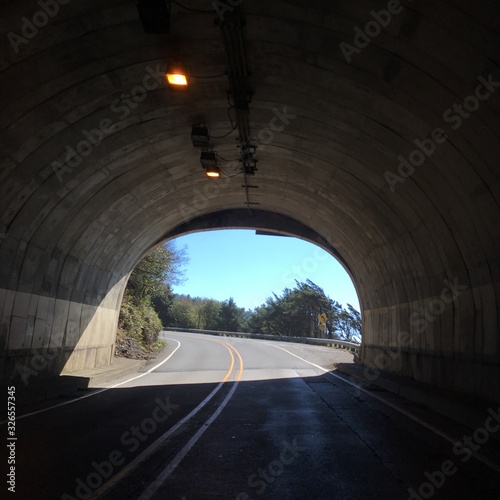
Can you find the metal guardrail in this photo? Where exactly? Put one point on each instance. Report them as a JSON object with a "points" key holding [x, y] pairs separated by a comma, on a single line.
{"points": [[339, 344]]}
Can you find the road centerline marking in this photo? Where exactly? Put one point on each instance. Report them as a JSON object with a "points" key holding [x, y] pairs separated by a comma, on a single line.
{"points": [[164, 475], [145, 454]]}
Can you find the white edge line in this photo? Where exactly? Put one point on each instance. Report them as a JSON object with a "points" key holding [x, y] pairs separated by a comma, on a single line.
{"points": [[153, 446], [447, 437], [101, 390], [157, 483]]}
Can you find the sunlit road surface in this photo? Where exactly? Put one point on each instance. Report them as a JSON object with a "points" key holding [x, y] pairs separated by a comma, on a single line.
{"points": [[228, 418]]}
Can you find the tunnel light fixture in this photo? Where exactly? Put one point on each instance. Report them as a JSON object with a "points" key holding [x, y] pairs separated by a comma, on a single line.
{"points": [[250, 168], [177, 76], [208, 159], [248, 158], [200, 136], [177, 79], [213, 172]]}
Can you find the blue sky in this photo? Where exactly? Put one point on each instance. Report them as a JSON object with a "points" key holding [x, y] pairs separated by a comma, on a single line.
{"points": [[249, 268]]}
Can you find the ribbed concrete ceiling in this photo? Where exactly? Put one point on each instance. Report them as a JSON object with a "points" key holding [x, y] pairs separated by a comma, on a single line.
{"points": [[73, 233]]}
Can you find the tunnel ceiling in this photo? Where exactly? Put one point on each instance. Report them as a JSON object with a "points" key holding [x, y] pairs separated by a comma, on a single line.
{"points": [[328, 130], [335, 113], [269, 223]]}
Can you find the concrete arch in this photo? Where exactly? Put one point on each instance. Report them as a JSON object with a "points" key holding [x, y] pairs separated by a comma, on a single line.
{"points": [[74, 226], [260, 220]]}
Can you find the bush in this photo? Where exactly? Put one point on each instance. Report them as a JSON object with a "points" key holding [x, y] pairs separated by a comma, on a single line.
{"points": [[149, 285], [138, 328]]}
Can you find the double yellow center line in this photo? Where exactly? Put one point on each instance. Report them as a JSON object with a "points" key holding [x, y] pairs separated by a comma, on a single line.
{"points": [[157, 483], [231, 348], [163, 476]]}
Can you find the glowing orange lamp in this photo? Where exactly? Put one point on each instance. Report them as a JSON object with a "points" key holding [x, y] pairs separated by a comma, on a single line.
{"points": [[213, 172], [177, 77]]}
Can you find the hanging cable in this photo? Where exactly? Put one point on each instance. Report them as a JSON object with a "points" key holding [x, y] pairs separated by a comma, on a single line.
{"points": [[224, 159], [231, 106], [209, 76], [225, 135], [234, 125], [233, 175], [247, 195], [192, 10]]}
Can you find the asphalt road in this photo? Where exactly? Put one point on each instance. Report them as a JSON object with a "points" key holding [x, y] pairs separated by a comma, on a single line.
{"points": [[225, 418]]}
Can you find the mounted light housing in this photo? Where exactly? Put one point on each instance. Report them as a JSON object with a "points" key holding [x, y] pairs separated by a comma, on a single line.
{"points": [[177, 77], [208, 159], [200, 136], [213, 172]]}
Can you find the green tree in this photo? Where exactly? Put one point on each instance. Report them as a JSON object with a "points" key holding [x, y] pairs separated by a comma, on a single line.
{"points": [[257, 320], [349, 324], [301, 312], [138, 327], [159, 267], [230, 316], [208, 314], [162, 302], [149, 288], [183, 313]]}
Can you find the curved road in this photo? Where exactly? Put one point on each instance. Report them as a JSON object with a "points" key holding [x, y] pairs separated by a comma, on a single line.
{"points": [[227, 418]]}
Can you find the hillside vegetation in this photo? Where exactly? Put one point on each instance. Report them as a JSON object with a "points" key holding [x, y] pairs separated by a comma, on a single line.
{"points": [[148, 289], [302, 311], [150, 304]]}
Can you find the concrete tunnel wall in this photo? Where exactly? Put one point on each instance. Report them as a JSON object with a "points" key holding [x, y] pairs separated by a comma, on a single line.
{"points": [[330, 122]]}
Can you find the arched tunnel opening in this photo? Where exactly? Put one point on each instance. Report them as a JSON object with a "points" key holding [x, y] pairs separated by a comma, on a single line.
{"points": [[261, 269], [382, 149]]}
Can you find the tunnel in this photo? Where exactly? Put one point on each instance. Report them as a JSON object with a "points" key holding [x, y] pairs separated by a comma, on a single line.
{"points": [[369, 128]]}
